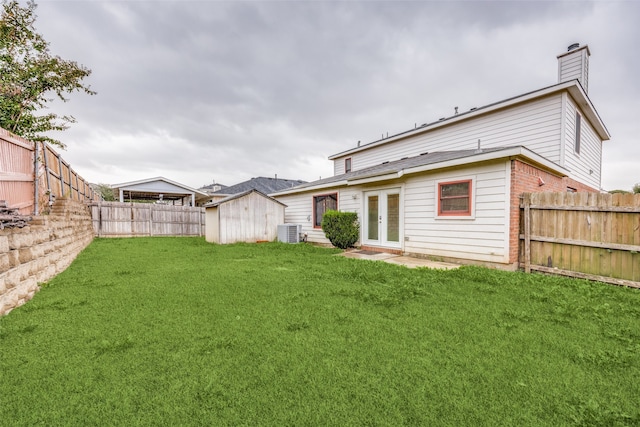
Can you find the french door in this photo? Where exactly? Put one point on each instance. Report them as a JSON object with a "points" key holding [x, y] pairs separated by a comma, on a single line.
{"points": [[382, 218]]}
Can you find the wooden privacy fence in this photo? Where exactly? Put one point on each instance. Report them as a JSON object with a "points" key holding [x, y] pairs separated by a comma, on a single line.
{"points": [[60, 180], [586, 235], [117, 219], [32, 175], [17, 165]]}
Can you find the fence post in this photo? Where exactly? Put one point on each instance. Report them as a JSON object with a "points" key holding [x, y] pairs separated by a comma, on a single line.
{"points": [[99, 218], [527, 232], [61, 176], [35, 179]]}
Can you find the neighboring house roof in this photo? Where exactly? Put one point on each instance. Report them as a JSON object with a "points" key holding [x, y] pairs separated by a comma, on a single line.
{"points": [[426, 162], [212, 188], [262, 184], [574, 88], [240, 195], [151, 188]]}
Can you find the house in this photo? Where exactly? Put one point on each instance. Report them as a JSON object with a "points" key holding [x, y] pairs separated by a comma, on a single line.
{"points": [[262, 184], [450, 189], [250, 217], [159, 190]]}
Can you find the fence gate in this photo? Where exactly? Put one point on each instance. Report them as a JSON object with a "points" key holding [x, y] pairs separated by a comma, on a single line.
{"points": [[116, 219], [585, 235]]}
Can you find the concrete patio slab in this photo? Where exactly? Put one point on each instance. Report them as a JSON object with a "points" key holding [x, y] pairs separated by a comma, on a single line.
{"points": [[407, 261]]}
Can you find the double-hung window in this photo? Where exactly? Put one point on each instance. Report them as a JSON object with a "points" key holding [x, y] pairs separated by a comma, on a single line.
{"points": [[454, 198], [321, 204]]}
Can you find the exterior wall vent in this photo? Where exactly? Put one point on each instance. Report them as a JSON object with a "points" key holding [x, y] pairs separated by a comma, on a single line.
{"points": [[289, 233]]}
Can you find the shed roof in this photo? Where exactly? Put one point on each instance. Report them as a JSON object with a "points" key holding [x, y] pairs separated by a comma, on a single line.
{"points": [[240, 195]]}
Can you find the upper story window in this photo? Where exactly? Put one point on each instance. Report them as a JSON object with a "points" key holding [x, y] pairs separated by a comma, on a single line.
{"points": [[454, 198], [578, 126], [347, 165], [321, 204]]}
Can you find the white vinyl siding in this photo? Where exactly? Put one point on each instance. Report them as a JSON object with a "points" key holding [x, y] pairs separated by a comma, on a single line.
{"points": [[535, 124], [574, 66], [585, 166], [300, 210], [484, 238]]}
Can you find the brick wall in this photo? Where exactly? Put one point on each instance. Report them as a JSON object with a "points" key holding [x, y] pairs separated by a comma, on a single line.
{"points": [[36, 253], [526, 178]]}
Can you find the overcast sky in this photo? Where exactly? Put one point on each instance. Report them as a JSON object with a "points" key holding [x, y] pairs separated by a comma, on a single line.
{"points": [[203, 91]]}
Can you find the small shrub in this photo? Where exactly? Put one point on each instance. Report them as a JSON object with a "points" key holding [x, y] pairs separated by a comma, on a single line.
{"points": [[341, 228]]}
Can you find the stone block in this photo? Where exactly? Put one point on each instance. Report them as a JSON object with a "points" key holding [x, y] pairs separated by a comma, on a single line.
{"points": [[25, 255], [54, 257], [49, 273], [48, 247], [41, 236], [14, 258], [39, 221], [12, 278], [21, 239], [9, 301], [5, 263], [37, 251], [4, 244]]}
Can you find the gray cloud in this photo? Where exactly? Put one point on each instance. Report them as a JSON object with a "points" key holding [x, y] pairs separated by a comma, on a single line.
{"points": [[196, 91]]}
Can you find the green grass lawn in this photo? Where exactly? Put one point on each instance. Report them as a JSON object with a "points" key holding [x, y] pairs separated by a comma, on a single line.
{"points": [[175, 331]]}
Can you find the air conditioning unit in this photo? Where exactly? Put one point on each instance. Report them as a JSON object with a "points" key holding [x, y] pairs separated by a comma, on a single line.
{"points": [[289, 233]]}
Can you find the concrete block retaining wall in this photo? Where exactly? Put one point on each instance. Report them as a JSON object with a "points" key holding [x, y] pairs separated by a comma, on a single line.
{"points": [[34, 254]]}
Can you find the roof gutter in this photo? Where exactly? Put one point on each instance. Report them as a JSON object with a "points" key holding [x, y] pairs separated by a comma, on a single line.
{"points": [[310, 188], [375, 178], [507, 153], [494, 155]]}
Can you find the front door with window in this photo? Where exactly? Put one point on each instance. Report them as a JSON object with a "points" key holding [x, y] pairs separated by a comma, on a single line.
{"points": [[382, 218]]}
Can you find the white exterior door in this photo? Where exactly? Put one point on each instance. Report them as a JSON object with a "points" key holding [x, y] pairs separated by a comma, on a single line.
{"points": [[382, 218]]}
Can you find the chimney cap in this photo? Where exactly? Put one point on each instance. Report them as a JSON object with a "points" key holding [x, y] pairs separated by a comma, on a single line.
{"points": [[573, 46]]}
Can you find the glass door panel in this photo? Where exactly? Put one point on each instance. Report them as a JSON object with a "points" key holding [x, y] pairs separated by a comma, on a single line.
{"points": [[393, 217], [372, 217]]}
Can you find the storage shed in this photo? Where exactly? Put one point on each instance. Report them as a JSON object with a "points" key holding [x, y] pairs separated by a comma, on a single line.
{"points": [[250, 216]]}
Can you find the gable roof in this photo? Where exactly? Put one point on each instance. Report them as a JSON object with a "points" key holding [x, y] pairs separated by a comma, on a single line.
{"points": [[573, 87], [427, 162], [158, 184], [240, 195], [263, 184]]}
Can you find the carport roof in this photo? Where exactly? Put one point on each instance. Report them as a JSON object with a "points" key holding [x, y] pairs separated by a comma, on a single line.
{"points": [[152, 188]]}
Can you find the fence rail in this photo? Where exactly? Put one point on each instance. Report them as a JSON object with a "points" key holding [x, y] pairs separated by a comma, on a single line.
{"points": [[586, 235], [32, 175], [117, 219]]}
